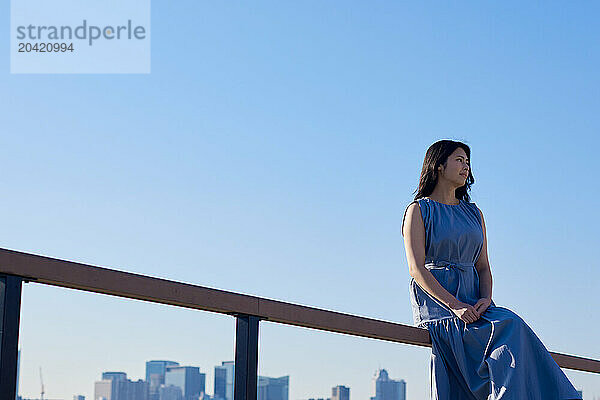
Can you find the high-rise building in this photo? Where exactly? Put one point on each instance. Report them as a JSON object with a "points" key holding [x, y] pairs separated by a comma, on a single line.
{"points": [[188, 379], [115, 376], [169, 393], [116, 386], [155, 375], [205, 396], [340, 393], [388, 389], [130, 390], [273, 388], [224, 375], [104, 390], [220, 383]]}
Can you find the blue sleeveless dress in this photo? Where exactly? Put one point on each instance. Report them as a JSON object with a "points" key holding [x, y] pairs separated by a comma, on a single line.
{"points": [[497, 357]]}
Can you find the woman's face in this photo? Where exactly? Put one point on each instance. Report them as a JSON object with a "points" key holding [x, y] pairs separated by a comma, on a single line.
{"points": [[457, 167]]}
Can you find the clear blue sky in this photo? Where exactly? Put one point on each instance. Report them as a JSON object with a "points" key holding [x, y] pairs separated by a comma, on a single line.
{"points": [[272, 151]]}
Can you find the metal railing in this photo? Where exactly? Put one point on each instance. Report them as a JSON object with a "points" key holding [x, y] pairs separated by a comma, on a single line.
{"points": [[17, 267]]}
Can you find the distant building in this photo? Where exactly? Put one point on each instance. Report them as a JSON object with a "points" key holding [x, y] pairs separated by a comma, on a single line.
{"points": [[273, 388], [135, 390], [188, 379], [220, 383], [104, 390], [224, 375], [204, 396], [155, 375], [114, 376], [340, 393], [116, 386], [337, 393], [170, 392], [388, 389]]}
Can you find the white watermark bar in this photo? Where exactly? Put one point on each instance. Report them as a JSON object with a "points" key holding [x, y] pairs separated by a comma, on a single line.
{"points": [[69, 36]]}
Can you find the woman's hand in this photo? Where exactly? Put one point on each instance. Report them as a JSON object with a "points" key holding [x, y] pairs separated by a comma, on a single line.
{"points": [[482, 305], [465, 312]]}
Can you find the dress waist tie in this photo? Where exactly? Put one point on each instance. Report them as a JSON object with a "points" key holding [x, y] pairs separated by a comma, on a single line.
{"points": [[444, 264]]}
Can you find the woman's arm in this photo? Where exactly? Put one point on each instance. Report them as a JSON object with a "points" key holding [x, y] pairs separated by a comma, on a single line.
{"points": [[414, 243], [483, 266]]}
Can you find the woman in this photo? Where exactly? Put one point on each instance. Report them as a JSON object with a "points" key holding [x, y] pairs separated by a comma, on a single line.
{"points": [[479, 351]]}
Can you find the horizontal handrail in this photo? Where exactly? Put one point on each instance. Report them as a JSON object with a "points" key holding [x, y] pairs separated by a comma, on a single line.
{"points": [[90, 278]]}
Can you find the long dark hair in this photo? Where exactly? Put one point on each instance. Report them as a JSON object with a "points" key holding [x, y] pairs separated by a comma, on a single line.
{"points": [[437, 154]]}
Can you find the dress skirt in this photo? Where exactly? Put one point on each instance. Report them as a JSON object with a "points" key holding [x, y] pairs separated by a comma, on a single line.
{"points": [[497, 357]]}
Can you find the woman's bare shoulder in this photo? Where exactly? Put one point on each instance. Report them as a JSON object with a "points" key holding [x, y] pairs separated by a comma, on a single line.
{"points": [[413, 210]]}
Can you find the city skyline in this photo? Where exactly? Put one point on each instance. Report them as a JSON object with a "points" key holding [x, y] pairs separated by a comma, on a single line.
{"points": [[384, 387], [158, 371]]}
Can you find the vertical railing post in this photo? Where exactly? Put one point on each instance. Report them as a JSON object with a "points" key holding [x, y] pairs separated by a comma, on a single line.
{"points": [[10, 311], [246, 357]]}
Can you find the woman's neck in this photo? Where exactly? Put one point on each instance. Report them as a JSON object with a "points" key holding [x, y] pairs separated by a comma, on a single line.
{"points": [[444, 197]]}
